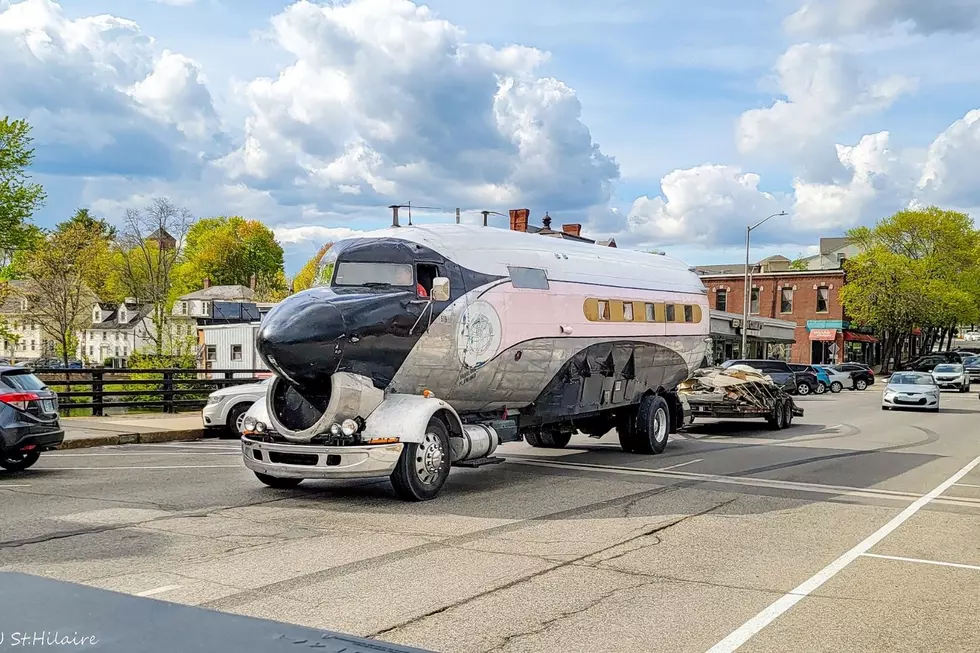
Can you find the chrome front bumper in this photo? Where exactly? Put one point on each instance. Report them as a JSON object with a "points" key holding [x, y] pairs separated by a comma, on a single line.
{"points": [[284, 460]]}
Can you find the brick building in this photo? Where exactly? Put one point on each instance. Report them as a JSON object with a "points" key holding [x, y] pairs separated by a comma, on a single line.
{"points": [[810, 298]]}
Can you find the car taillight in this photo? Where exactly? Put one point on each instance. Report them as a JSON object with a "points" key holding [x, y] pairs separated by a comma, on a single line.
{"points": [[19, 400]]}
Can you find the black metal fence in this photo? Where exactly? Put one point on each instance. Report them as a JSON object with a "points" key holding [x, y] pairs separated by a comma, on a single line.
{"points": [[99, 390]]}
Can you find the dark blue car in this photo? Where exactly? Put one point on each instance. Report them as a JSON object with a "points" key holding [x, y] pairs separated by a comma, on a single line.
{"points": [[28, 418]]}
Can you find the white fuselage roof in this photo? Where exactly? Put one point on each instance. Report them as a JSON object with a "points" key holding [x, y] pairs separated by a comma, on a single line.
{"points": [[491, 250]]}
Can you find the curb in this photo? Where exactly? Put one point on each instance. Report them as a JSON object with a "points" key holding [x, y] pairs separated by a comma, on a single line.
{"points": [[134, 438]]}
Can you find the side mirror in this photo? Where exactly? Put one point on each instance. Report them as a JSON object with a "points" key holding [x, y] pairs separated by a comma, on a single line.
{"points": [[440, 289]]}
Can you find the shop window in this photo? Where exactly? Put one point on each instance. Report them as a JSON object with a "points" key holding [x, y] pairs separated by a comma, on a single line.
{"points": [[721, 299], [823, 300]]}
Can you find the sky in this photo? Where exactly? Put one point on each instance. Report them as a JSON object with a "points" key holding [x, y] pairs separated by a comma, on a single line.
{"points": [[665, 125]]}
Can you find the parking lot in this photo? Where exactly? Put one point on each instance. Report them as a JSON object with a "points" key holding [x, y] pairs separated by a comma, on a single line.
{"points": [[854, 530]]}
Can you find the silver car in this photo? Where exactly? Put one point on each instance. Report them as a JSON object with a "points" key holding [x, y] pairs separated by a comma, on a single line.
{"points": [[911, 390], [951, 376]]}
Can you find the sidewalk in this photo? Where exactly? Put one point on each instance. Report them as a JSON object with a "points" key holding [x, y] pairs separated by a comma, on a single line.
{"points": [[99, 431]]}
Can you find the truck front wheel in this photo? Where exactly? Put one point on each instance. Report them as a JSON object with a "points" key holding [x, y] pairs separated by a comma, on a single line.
{"points": [[652, 426], [423, 467], [278, 483]]}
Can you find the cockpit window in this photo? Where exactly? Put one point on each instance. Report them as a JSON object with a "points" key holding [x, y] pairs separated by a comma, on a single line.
{"points": [[374, 274], [324, 271]]}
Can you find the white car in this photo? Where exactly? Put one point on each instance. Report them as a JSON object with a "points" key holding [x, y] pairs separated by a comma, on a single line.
{"points": [[838, 380], [972, 336], [226, 407], [951, 376], [911, 390]]}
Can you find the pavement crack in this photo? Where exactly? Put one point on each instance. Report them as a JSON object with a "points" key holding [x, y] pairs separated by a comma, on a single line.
{"points": [[646, 533], [548, 623]]}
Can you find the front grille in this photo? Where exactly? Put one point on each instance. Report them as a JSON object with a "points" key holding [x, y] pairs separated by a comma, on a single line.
{"points": [[910, 402], [293, 458]]}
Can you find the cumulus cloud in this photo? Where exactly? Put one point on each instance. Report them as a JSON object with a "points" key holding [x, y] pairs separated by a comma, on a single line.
{"points": [[387, 101], [839, 17], [706, 205], [950, 173], [100, 99], [824, 89]]}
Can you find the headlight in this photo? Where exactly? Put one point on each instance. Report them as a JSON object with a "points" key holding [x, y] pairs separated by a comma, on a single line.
{"points": [[335, 429], [259, 427], [349, 427], [250, 423], [213, 399]]}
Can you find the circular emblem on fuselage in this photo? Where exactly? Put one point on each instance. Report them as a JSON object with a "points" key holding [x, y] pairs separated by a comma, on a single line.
{"points": [[478, 334]]}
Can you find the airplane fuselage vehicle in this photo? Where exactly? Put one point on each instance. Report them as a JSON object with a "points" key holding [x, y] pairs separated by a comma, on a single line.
{"points": [[424, 347]]}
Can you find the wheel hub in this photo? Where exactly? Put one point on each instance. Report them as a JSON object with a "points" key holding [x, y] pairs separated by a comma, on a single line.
{"points": [[659, 425], [430, 458]]}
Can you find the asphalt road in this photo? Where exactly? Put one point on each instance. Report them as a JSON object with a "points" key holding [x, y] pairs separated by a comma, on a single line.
{"points": [[855, 530]]}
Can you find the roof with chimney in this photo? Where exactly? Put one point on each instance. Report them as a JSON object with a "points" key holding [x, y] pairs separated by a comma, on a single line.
{"points": [[233, 293]]}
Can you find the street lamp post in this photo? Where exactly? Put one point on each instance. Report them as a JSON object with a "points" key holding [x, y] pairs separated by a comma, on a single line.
{"points": [[747, 295]]}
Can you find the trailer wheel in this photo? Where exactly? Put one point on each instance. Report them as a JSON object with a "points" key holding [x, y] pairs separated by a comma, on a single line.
{"points": [[652, 426], [777, 420], [788, 419], [423, 467]]}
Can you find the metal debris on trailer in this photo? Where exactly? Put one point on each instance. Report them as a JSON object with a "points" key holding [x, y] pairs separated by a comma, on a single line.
{"points": [[738, 391]]}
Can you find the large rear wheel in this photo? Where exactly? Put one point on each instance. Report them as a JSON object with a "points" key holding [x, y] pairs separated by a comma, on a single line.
{"points": [[652, 426], [423, 467]]}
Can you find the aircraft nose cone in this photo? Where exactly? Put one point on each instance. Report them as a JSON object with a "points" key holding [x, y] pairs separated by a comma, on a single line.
{"points": [[301, 339]]}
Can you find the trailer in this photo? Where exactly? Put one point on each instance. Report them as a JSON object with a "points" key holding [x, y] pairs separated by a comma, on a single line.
{"points": [[737, 392]]}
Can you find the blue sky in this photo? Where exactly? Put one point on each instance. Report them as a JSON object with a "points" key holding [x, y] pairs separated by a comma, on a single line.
{"points": [[664, 124]]}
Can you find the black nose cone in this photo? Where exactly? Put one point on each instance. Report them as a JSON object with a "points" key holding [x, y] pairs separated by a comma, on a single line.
{"points": [[302, 339]]}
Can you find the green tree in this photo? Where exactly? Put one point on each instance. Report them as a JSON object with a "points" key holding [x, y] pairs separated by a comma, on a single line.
{"points": [[57, 294], [229, 251], [917, 268], [19, 198], [799, 263], [307, 275]]}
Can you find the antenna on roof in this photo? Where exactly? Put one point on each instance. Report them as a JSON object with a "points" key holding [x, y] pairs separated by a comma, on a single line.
{"points": [[394, 212]]}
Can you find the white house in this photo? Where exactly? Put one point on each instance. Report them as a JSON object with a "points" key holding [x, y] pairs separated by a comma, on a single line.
{"points": [[833, 253], [27, 339], [230, 347], [198, 305], [116, 331]]}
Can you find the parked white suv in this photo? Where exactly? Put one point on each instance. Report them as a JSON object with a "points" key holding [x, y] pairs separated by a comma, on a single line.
{"points": [[227, 407]]}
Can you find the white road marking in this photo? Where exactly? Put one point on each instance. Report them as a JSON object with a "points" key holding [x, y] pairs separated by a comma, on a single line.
{"points": [[4, 486], [147, 453], [965, 485], [751, 627], [925, 562], [82, 469], [158, 590], [835, 490], [689, 462]]}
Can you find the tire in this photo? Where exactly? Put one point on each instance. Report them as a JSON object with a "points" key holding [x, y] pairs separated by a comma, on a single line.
{"points": [[548, 439], [788, 414], [233, 426], [803, 389], [821, 388], [278, 483], [836, 387], [652, 428], [423, 467], [626, 430], [777, 420], [860, 384], [18, 461]]}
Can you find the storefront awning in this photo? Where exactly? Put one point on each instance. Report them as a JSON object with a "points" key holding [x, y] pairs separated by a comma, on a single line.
{"points": [[823, 335], [853, 336]]}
